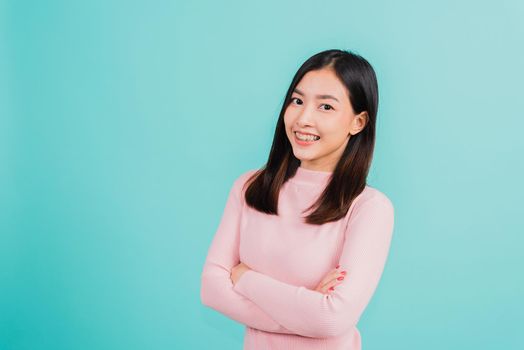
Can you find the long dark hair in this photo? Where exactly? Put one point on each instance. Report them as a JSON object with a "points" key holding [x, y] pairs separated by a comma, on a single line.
{"points": [[350, 173]]}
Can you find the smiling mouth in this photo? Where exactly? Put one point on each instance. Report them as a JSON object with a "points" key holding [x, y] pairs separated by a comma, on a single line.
{"points": [[306, 137]]}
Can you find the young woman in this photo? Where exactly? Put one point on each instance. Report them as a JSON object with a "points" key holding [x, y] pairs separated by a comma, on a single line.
{"points": [[303, 241]]}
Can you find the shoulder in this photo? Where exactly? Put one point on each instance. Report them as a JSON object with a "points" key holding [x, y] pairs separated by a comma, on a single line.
{"points": [[372, 209], [242, 179], [244, 176], [373, 199]]}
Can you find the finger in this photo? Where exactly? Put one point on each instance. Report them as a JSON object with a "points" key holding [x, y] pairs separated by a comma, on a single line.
{"points": [[332, 274], [329, 287], [321, 287], [332, 283], [326, 278], [340, 275]]}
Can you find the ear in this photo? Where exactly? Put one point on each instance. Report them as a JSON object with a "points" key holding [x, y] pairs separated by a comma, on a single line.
{"points": [[358, 123]]}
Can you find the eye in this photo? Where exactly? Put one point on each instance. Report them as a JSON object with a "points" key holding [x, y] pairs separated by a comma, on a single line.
{"points": [[330, 107], [295, 98]]}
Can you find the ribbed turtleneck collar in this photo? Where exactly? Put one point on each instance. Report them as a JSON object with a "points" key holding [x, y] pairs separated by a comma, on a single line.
{"points": [[313, 177]]}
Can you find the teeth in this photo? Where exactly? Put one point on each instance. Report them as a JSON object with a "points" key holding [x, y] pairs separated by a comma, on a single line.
{"points": [[306, 137]]}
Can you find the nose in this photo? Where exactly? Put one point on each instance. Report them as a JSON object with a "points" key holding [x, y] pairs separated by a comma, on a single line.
{"points": [[305, 117]]}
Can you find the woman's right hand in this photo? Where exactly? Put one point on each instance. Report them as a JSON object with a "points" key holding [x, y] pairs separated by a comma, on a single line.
{"points": [[331, 280]]}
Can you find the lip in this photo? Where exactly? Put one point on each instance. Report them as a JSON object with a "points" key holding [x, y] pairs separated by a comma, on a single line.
{"points": [[303, 143], [305, 133]]}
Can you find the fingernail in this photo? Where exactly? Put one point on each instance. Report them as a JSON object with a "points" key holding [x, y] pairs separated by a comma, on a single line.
{"points": [[343, 272], [332, 288], [340, 278], [337, 266]]}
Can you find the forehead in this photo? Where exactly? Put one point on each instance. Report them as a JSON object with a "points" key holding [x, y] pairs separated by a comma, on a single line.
{"points": [[323, 81]]}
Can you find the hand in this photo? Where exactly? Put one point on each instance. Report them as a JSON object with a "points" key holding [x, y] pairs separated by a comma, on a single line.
{"points": [[331, 280], [238, 271]]}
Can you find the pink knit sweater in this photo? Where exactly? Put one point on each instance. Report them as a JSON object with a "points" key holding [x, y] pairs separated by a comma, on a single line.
{"points": [[276, 299]]}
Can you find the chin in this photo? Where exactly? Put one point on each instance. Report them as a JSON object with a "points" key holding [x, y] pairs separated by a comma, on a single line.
{"points": [[301, 156]]}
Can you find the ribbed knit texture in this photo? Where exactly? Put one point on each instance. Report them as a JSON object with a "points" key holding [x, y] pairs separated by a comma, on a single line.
{"points": [[276, 299]]}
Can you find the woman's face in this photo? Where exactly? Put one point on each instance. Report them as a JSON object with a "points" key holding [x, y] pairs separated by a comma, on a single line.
{"points": [[320, 108]]}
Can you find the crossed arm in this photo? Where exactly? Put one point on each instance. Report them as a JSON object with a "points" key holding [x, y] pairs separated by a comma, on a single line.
{"points": [[216, 289], [262, 302]]}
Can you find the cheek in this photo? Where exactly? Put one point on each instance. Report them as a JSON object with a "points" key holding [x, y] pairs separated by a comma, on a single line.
{"points": [[334, 134], [287, 117], [337, 128], [288, 121]]}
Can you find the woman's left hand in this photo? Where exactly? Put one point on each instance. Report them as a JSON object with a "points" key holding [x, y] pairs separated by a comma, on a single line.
{"points": [[237, 271]]}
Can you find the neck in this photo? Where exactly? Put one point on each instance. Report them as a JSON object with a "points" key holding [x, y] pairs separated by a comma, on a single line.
{"points": [[313, 177]]}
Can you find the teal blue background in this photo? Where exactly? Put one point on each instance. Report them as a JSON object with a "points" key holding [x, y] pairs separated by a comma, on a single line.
{"points": [[123, 125]]}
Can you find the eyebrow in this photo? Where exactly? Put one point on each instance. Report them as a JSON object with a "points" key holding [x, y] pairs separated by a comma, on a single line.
{"points": [[324, 97]]}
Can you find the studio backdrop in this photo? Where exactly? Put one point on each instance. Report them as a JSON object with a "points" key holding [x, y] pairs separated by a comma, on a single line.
{"points": [[124, 124]]}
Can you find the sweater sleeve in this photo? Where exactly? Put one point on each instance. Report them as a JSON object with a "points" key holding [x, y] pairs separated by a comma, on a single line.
{"points": [[216, 289], [313, 314]]}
